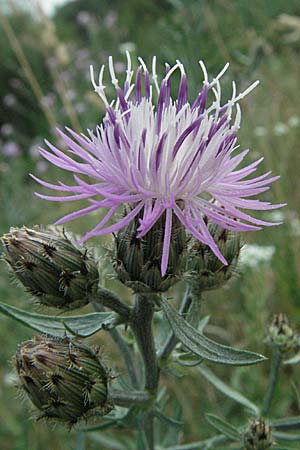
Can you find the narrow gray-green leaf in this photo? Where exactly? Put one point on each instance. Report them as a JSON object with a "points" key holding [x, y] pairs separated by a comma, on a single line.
{"points": [[227, 390], [202, 346], [224, 427], [82, 325], [286, 436], [288, 423], [294, 360]]}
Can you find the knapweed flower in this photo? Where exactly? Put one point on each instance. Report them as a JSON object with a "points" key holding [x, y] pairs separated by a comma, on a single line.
{"points": [[162, 157]]}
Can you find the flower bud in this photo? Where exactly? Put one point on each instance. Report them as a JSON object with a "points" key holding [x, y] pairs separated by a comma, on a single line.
{"points": [[51, 267], [65, 380], [137, 261], [281, 334], [206, 271], [258, 436]]}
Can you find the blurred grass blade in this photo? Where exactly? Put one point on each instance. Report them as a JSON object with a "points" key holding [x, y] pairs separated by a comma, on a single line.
{"points": [[204, 347], [286, 436], [82, 325], [227, 390], [224, 427], [294, 360], [288, 423]]}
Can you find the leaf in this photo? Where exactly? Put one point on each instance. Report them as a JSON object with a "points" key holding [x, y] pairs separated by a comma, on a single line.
{"points": [[168, 420], [286, 436], [294, 360], [82, 325], [227, 390], [289, 423], [202, 346], [188, 359], [224, 427]]}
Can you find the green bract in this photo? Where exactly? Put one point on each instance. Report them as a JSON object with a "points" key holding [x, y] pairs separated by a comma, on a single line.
{"points": [[138, 261], [258, 436], [51, 267], [206, 271], [66, 381]]}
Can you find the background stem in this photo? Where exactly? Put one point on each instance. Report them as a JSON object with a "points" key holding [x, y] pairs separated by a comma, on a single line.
{"points": [[273, 378]]}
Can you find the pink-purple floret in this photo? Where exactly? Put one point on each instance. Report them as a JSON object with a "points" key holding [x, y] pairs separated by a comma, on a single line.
{"points": [[162, 158]]}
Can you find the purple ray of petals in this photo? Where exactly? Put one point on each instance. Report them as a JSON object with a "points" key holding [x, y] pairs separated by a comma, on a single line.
{"points": [[167, 241], [138, 85], [81, 212], [213, 246], [122, 223], [66, 198], [98, 227], [222, 216], [146, 225], [61, 187], [182, 93], [230, 207]]}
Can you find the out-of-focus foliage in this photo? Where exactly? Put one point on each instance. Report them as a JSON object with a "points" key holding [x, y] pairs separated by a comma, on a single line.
{"points": [[44, 81]]}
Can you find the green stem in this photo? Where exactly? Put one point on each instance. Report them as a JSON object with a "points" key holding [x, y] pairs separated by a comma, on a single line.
{"points": [[273, 378], [110, 300], [127, 398], [141, 324], [125, 351]]}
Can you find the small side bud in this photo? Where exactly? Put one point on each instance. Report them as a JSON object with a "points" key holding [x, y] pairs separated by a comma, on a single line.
{"points": [[281, 334], [205, 270], [258, 436], [137, 262], [66, 381], [51, 267]]}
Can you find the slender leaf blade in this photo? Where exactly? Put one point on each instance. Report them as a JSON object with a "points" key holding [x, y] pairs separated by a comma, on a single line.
{"points": [[224, 427], [81, 325], [286, 436], [288, 423], [294, 360], [227, 390], [203, 346]]}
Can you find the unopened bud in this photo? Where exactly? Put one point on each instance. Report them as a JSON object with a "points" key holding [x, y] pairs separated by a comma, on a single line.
{"points": [[281, 334], [137, 261], [65, 380], [205, 269], [258, 436], [51, 267]]}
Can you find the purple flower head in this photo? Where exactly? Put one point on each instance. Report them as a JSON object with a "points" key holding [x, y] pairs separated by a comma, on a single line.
{"points": [[162, 157]]}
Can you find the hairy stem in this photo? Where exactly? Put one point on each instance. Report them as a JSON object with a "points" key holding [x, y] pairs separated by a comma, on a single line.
{"points": [[127, 398], [125, 351], [141, 324], [112, 301], [273, 378]]}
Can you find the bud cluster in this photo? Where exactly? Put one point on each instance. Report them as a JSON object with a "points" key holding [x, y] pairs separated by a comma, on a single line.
{"points": [[137, 261], [281, 334], [50, 266], [258, 436], [206, 271], [65, 380]]}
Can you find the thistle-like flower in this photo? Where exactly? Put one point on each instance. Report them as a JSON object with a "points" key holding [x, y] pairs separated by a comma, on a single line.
{"points": [[51, 267], [65, 380], [258, 436], [162, 157]]}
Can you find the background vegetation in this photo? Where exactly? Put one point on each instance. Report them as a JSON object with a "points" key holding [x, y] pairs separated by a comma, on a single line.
{"points": [[44, 81]]}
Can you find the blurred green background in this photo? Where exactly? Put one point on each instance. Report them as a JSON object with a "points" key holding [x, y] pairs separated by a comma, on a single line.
{"points": [[44, 82]]}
